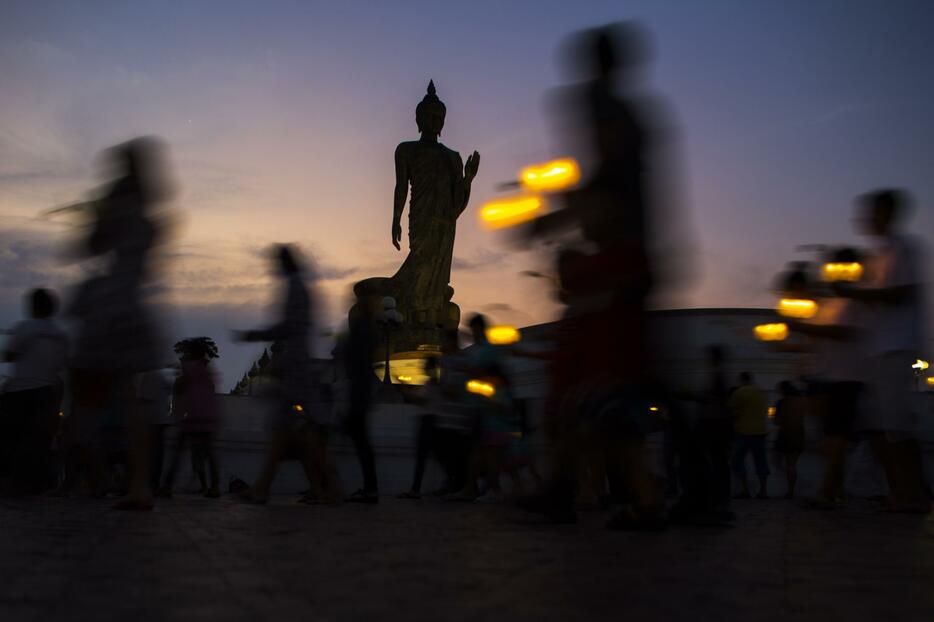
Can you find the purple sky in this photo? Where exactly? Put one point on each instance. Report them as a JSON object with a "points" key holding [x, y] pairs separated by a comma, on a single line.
{"points": [[283, 117]]}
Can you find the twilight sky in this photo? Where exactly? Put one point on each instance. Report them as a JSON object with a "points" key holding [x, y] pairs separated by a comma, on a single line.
{"points": [[282, 118]]}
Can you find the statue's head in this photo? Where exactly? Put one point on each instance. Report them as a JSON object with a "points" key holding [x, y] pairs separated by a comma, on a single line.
{"points": [[429, 114]]}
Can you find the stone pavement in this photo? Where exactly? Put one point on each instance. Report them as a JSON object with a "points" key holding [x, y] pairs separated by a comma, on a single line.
{"points": [[200, 559]]}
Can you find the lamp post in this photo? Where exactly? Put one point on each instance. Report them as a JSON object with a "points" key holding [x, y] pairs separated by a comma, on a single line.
{"points": [[389, 318]]}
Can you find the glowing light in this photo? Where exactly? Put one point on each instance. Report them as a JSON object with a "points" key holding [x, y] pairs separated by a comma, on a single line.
{"points": [[502, 213], [62, 413], [502, 335], [550, 176], [771, 332], [930, 381], [920, 365], [479, 387], [798, 308], [405, 378], [771, 412], [297, 408], [654, 409], [849, 272]]}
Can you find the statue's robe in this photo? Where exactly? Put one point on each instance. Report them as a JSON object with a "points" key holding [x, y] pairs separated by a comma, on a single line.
{"points": [[436, 180]]}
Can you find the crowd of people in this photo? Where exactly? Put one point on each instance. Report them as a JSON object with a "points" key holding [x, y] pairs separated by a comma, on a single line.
{"points": [[606, 392]]}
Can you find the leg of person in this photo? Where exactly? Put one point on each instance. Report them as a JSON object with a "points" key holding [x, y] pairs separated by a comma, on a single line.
{"points": [[139, 496], [259, 492], [46, 428], [210, 456], [357, 426], [475, 469], [158, 456], [198, 459], [181, 440], [22, 433], [719, 439], [791, 473], [740, 449], [761, 461], [423, 447]]}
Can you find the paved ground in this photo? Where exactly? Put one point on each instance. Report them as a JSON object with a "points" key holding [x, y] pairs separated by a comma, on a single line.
{"points": [[196, 559]]}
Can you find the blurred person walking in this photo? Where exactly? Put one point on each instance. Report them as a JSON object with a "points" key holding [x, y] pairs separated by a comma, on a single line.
{"points": [[789, 444], [749, 406], [295, 428], [30, 401], [893, 297], [117, 333], [197, 413]]}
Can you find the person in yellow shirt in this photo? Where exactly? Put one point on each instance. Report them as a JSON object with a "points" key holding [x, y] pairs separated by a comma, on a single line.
{"points": [[750, 410]]}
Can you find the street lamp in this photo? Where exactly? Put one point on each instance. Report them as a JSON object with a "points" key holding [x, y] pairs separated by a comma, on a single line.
{"points": [[919, 367], [389, 318]]}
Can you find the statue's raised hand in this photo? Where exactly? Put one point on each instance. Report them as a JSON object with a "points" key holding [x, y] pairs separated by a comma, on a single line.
{"points": [[470, 169], [396, 234]]}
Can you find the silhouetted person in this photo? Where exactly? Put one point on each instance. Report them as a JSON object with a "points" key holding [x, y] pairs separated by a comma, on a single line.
{"points": [[608, 332], [705, 449], [294, 426], [29, 404], [444, 430], [197, 412], [155, 396], [750, 408], [498, 425], [893, 296], [837, 336], [358, 358], [789, 444], [117, 334]]}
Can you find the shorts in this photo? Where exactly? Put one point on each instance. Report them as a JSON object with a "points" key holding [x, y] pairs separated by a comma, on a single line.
{"points": [[891, 405]]}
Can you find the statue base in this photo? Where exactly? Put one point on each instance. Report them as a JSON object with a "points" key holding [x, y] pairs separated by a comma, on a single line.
{"points": [[419, 336]]}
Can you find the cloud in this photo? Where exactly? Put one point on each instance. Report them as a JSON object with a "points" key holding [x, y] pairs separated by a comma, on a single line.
{"points": [[29, 260], [482, 258]]}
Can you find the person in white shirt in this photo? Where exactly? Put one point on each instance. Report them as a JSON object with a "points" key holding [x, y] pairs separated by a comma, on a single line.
{"points": [[892, 298], [37, 349], [837, 339]]}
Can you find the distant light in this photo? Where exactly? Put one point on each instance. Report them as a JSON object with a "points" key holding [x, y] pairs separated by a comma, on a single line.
{"points": [[550, 176], [479, 387], [920, 365], [62, 413], [850, 271], [297, 408], [654, 409], [502, 213], [771, 332], [502, 335], [930, 381], [798, 308], [772, 411]]}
